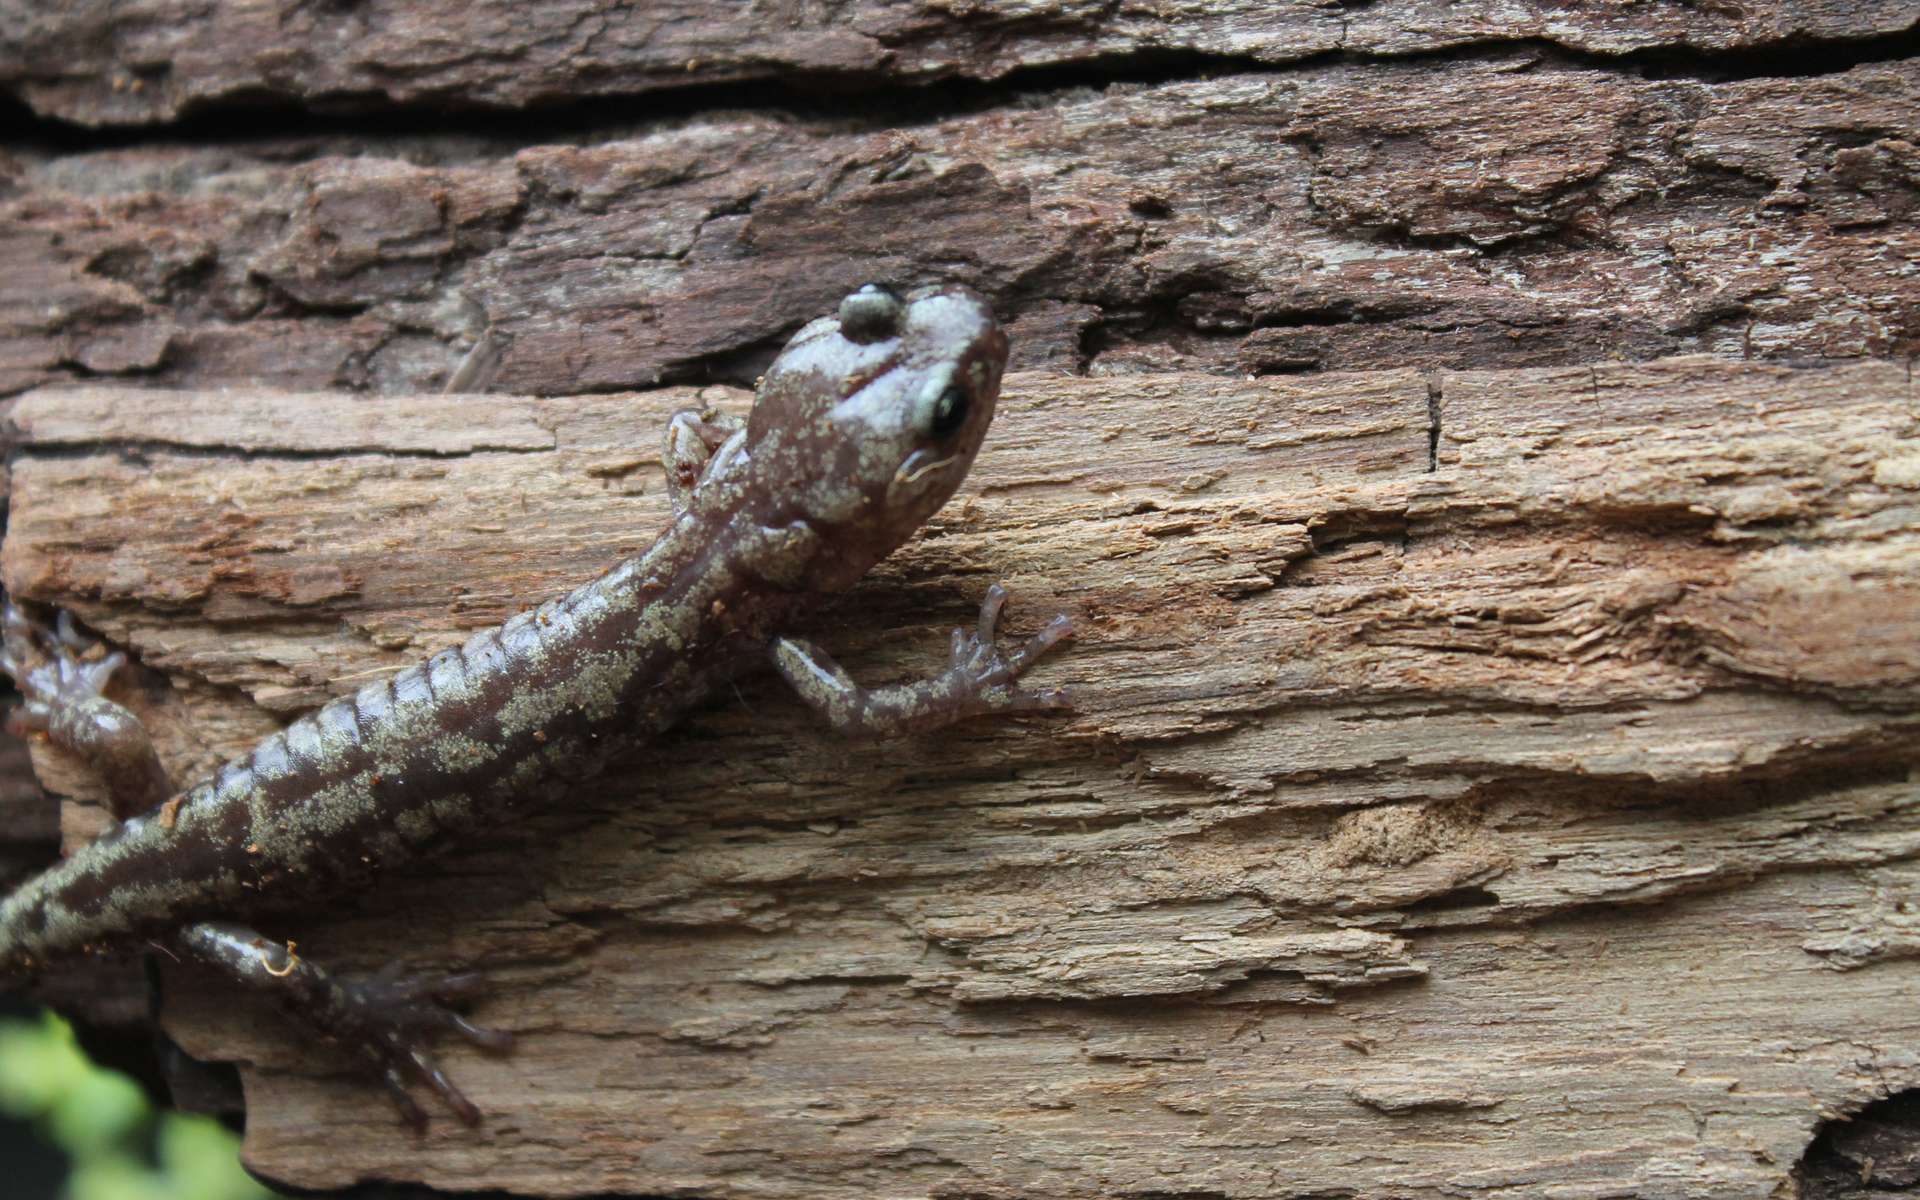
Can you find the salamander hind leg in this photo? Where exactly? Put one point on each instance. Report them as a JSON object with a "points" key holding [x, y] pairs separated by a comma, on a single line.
{"points": [[980, 678], [388, 1019], [692, 438], [63, 700]]}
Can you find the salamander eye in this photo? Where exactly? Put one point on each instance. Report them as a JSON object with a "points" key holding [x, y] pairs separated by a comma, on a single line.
{"points": [[871, 314], [950, 411]]}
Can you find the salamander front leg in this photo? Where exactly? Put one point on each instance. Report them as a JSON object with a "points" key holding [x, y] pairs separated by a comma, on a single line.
{"points": [[64, 701], [979, 679], [693, 436], [388, 1019]]}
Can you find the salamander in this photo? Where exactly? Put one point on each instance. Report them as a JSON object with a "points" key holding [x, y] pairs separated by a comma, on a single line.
{"points": [[861, 428]]}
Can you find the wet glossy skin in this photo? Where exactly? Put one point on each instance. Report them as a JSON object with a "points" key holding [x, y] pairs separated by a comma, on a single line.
{"points": [[863, 426]]}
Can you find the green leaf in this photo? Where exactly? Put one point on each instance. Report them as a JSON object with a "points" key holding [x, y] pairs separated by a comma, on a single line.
{"points": [[117, 1177], [199, 1156], [100, 1117], [100, 1111]]}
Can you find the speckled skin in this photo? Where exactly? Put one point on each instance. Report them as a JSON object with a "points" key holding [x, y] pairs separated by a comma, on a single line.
{"points": [[863, 427]]}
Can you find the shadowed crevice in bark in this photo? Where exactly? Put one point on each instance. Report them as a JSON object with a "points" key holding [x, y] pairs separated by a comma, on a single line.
{"points": [[1873, 1153], [879, 101]]}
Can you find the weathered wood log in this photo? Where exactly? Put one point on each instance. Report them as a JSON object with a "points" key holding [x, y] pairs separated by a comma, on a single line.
{"points": [[1512, 212], [1485, 777], [103, 63], [1487, 780]]}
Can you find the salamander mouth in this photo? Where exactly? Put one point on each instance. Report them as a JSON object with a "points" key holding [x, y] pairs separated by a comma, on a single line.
{"points": [[918, 467]]}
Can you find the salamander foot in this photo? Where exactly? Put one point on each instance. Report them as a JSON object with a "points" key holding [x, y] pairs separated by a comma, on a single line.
{"points": [[45, 665], [980, 678], [388, 1019], [976, 657], [64, 700]]}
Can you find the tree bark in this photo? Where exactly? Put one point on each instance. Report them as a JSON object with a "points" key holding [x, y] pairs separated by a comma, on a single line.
{"points": [[1477, 445], [95, 62], [1496, 211]]}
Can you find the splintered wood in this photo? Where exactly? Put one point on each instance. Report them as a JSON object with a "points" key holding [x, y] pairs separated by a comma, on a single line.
{"points": [[1480, 782]]}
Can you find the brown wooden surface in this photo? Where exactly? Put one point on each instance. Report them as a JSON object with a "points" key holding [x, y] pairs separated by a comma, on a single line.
{"points": [[102, 63], [1506, 211], [1494, 768], [1412, 821]]}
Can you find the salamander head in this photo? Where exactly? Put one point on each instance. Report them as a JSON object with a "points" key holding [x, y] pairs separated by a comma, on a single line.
{"points": [[869, 419]]}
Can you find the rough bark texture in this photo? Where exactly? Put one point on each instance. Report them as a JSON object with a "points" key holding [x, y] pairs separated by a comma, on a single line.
{"points": [[1506, 212], [103, 62], [1494, 768]]}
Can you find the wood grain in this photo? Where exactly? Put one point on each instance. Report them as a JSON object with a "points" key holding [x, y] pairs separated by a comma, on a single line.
{"points": [[1485, 781]]}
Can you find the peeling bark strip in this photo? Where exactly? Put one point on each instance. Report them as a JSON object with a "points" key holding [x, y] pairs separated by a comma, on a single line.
{"points": [[1493, 214], [101, 63], [1544, 822]]}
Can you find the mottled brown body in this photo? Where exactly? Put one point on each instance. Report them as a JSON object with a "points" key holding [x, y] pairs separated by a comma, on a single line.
{"points": [[508, 719]]}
